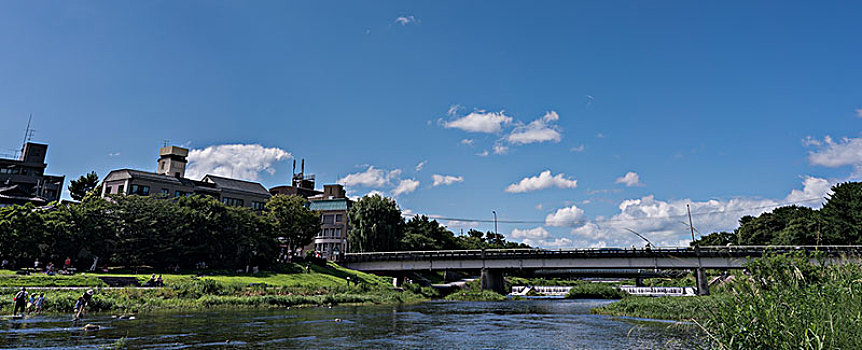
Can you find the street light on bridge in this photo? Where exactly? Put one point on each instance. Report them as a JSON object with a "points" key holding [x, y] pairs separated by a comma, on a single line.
{"points": [[495, 222]]}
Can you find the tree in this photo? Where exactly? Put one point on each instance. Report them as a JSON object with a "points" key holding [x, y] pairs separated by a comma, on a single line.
{"points": [[84, 184], [375, 225], [293, 221], [421, 233], [843, 213]]}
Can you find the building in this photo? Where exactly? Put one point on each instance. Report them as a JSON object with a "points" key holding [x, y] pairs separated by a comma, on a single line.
{"points": [[23, 180], [170, 181], [333, 204], [301, 185]]}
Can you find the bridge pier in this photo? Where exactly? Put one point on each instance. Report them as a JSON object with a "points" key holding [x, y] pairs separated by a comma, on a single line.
{"points": [[492, 279], [398, 282], [702, 282]]}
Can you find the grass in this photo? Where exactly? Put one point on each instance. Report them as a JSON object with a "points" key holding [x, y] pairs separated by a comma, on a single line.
{"points": [[594, 291], [43, 280], [786, 303], [666, 308], [322, 285], [292, 275], [470, 295]]}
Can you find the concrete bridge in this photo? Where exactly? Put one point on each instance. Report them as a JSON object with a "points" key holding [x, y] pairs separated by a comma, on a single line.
{"points": [[493, 263]]}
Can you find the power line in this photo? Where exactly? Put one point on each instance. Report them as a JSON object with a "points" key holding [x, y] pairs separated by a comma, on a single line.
{"points": [[611, 221]]}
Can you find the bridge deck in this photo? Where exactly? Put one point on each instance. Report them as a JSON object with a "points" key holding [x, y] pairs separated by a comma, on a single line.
{"points": [[713, 257]]}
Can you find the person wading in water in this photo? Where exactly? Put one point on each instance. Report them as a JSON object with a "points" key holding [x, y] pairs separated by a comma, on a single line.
{"points": [[20, 300], [81, 304]]}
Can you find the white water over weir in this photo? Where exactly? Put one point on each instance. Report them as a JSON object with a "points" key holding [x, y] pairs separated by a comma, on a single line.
{"points": [[545, 290], [633, 290], [658, 291]]}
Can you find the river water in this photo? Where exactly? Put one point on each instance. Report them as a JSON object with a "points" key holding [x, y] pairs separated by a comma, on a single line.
{"points": [[544, 324]]}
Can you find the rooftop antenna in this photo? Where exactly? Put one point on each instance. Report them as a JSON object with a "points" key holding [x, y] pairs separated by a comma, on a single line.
{"points": [[303, 167], [165, 142], [294, 166], [27, 133]]}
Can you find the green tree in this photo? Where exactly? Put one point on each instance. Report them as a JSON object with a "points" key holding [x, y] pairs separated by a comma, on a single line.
{"points": [[842, 213], [84, 184], [293, 221], [421, 233], [375, 225]]}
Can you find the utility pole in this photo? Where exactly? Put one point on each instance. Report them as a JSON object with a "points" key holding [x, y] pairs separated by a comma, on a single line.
{"points": [[495, 223], [690, 224]]}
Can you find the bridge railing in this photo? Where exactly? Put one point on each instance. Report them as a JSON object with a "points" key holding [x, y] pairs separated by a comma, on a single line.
{"points": [[705, 251]]}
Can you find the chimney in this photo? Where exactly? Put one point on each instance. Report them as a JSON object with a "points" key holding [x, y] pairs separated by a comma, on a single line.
{"points": [[172, 161]]}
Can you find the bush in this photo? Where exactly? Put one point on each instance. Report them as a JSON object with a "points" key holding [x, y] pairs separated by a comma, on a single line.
{"points": [[594, 291], [485, 295]]}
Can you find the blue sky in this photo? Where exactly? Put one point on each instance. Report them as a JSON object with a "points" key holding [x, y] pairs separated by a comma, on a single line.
{"points": [[729, 107]]}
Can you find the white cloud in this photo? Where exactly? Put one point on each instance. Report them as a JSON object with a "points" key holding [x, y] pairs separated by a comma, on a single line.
{"points": [[577, 149], [453, 224], [539, 130], [371, 177], [239, 161], [445, 179], [665, 223], [556, 243], [405, 186], [600, 136], [114, 154], [453, 110], [500, 149], [479, 121], [374, 192], [569, 216], [483, 153], [538, 232], [405, 20], [630, 179], [420, 165], [542, 181], [468, 142], [859, 112], [812, 187], [847, 151]]}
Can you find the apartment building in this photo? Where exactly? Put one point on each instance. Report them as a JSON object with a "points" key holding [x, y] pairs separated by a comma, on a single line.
{"points": [[23, 180]]}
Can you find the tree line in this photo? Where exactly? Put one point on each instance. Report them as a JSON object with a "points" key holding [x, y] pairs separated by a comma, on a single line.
{"points": [[838, 222], [157, 231], [154, 231], [377, 225]]}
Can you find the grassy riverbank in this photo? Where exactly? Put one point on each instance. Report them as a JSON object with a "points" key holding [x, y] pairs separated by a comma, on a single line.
{"points": [[786, 303], [287, 275], [322, 285]]}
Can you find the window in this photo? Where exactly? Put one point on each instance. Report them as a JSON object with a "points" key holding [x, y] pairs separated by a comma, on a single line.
{"points": [[165, 191], [327, 219], [257, 205], [339, 218], [234, 202], [182, 194], [12, 171], [120, 189], [139, 190], [338, 233], [107, 189]]}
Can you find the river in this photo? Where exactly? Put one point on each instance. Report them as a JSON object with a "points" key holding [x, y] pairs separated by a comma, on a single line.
{"points": [[545, 324]]}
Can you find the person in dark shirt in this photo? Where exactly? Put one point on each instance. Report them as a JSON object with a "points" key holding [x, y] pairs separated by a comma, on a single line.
{"points": [[81, 304]]}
